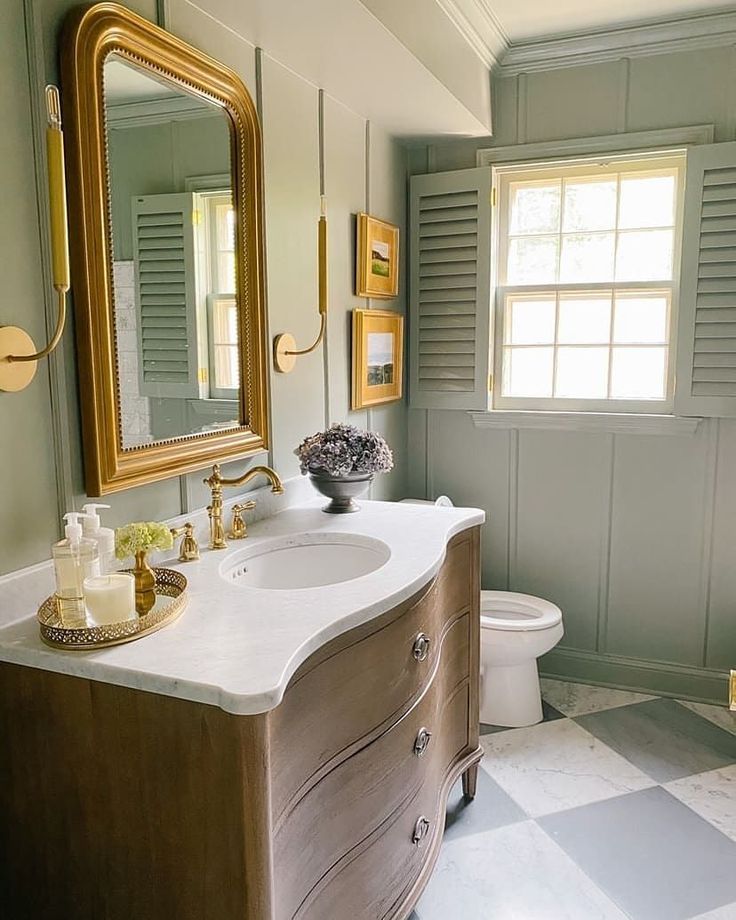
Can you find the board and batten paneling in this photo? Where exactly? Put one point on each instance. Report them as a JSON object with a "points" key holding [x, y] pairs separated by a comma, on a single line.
{"points": [[344, 159], [29, 31], [386, 198], [634, 535]]}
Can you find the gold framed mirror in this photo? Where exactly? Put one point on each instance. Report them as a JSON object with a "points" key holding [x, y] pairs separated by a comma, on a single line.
{"points": [[165, 179]]}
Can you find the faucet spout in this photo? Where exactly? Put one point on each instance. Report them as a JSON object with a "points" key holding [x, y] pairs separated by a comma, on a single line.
{"points": [[216, 482]]}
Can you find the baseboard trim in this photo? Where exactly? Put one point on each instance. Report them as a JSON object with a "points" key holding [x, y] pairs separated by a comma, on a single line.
{"points": [[702, 685]]}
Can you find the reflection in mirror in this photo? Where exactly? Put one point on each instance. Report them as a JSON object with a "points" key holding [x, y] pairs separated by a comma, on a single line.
{"points": [[173, 241]]}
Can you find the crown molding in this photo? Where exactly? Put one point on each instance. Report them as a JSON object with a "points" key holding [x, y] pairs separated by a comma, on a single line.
{"points": [[709, 30], [479, 26], [158, 111]]}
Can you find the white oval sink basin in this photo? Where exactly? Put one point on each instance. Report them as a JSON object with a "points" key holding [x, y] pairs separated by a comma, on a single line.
{"points": [[305, 561]]}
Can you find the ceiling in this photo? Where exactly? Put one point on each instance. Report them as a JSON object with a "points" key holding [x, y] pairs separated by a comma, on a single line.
{"points": [[525, 20]]}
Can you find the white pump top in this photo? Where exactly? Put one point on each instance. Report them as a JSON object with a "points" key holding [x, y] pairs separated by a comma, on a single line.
{"points": [[73, 529], [91, 519]]}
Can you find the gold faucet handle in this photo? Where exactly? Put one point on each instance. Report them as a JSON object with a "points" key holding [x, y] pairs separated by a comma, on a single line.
{"points": [[189, 548], [239, 529]]}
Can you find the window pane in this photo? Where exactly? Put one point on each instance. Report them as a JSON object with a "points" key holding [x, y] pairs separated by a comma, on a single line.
{"points": [[531, 322], [225, 226], [587, 257], [589, 204], [224, 322], [647, 201], [640, 319], [227, 367], [638, 373], [532, 260], [584, 319], [582, 373], [644, 255], [226, 272], [528, 372], [535, 208]]}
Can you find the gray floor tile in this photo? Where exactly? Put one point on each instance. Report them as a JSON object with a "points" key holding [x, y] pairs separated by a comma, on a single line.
{"points": [[491, 808], [663, 738], [651, 854], [579, 699], [549, 714], [513, 873]]}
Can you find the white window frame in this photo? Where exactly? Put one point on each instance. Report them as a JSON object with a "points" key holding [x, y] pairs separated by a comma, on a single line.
{"points": [[635, 161]]}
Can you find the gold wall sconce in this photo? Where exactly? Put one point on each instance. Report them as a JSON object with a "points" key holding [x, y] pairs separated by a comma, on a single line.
{"points": [[18, 356], [285, 351]]}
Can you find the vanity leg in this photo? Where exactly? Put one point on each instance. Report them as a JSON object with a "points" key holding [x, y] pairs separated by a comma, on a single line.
{"points": [[470, 781]]}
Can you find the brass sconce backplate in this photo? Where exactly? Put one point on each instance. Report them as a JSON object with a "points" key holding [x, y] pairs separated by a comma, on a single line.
{"points": [[16, 375]]}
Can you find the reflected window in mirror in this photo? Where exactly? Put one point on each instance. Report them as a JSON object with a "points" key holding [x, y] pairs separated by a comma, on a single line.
{"points": [[173, 239]]}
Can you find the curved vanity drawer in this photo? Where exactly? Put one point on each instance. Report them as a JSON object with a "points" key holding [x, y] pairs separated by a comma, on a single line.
{"points": [[370, 882], [362, 682], [362, 792]]}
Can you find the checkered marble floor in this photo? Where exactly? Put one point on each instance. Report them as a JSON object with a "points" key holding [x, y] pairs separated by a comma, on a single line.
{"points": [[617, 805]]}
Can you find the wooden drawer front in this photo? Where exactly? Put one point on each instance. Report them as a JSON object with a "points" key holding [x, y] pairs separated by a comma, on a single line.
{"points": [[368, 882], [365, 686], [363, 792]]}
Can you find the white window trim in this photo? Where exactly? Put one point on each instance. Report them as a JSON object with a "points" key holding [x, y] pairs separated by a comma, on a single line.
{"points": [[601, 422], [570, 407], [607, 145]]}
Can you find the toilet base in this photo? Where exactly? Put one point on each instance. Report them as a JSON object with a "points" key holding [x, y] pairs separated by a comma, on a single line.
{"points": [[510, 696]]}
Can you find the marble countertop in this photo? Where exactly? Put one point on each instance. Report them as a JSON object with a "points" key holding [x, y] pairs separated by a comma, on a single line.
{"points": [[237, 647]]}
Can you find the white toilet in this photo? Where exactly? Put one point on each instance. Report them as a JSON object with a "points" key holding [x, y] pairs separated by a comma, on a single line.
{"points": [[515, 630]]}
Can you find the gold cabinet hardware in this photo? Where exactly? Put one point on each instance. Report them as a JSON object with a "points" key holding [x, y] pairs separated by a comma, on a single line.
{"points": [[732, 691], [216, 482], [238, 527], [18, 356], [188, 548]]}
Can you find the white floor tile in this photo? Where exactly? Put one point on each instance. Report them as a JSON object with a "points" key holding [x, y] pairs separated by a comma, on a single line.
{"points": [[557, 765], [712, 795], [719, 715], [513, 873], [580, 699]]}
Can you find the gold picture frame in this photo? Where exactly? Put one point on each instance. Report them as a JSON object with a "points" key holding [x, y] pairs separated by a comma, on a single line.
{"points": [[378, 357], [377, 260]]}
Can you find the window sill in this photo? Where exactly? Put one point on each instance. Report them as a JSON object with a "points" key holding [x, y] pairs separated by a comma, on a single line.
{"points": [[607, 422]]}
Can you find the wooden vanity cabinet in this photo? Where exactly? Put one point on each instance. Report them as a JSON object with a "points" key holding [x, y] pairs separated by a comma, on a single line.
{"points": [[117, 803]]}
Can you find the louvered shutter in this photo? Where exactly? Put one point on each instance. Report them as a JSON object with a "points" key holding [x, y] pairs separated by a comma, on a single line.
{"points": [[450, 295], [163, 244], [706, 363]]}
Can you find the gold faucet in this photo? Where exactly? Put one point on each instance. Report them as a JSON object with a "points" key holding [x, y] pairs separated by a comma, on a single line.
{"points": [[216, 482]]}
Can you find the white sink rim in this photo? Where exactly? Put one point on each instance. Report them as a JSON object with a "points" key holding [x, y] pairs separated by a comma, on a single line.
{"points": [[370, 555]]}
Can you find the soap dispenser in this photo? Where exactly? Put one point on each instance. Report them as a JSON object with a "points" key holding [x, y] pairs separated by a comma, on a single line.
{"points": [[75, 558], [92, 529]]}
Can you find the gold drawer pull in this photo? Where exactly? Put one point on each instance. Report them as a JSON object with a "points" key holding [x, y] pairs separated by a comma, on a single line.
{"points": [[421, 829], [424, 736], [420, 649]]}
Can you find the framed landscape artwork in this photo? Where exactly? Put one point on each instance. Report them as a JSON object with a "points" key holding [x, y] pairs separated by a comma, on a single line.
{"points": [[378, 351], [377, 269]]}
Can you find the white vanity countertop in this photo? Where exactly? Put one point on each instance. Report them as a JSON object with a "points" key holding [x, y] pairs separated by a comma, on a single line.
{"points": [[237, 647]]}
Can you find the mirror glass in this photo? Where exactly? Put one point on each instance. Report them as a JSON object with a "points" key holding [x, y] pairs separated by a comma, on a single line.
{"points": [[173, 240]]}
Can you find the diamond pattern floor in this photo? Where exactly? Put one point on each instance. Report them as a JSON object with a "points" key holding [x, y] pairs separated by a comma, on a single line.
{"points": [[618, 805]]}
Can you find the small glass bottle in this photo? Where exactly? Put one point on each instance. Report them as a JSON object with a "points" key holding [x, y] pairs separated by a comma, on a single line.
{"points": [[75, 558]]}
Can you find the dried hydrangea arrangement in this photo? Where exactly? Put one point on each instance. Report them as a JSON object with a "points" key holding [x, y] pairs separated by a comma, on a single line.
{"points": [[344, 449]]}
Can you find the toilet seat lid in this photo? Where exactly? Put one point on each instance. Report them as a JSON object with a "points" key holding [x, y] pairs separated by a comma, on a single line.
{"points": [[517, 612]]}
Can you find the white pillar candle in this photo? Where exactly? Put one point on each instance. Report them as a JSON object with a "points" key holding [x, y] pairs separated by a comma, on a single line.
{"points": [[110, 598]]}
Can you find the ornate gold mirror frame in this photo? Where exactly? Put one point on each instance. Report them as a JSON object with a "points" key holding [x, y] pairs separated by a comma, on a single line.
{"points": [[91, 34]]}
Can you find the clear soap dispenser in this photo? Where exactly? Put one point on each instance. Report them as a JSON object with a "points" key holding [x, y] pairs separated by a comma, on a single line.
{"points": [[92, 529], [75, 558]]}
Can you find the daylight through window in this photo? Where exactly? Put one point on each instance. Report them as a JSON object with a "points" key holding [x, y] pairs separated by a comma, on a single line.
{"points": [[586, 265]]}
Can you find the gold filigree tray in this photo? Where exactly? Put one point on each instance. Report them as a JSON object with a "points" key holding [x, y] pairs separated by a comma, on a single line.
{"points": [[171, 600]]}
